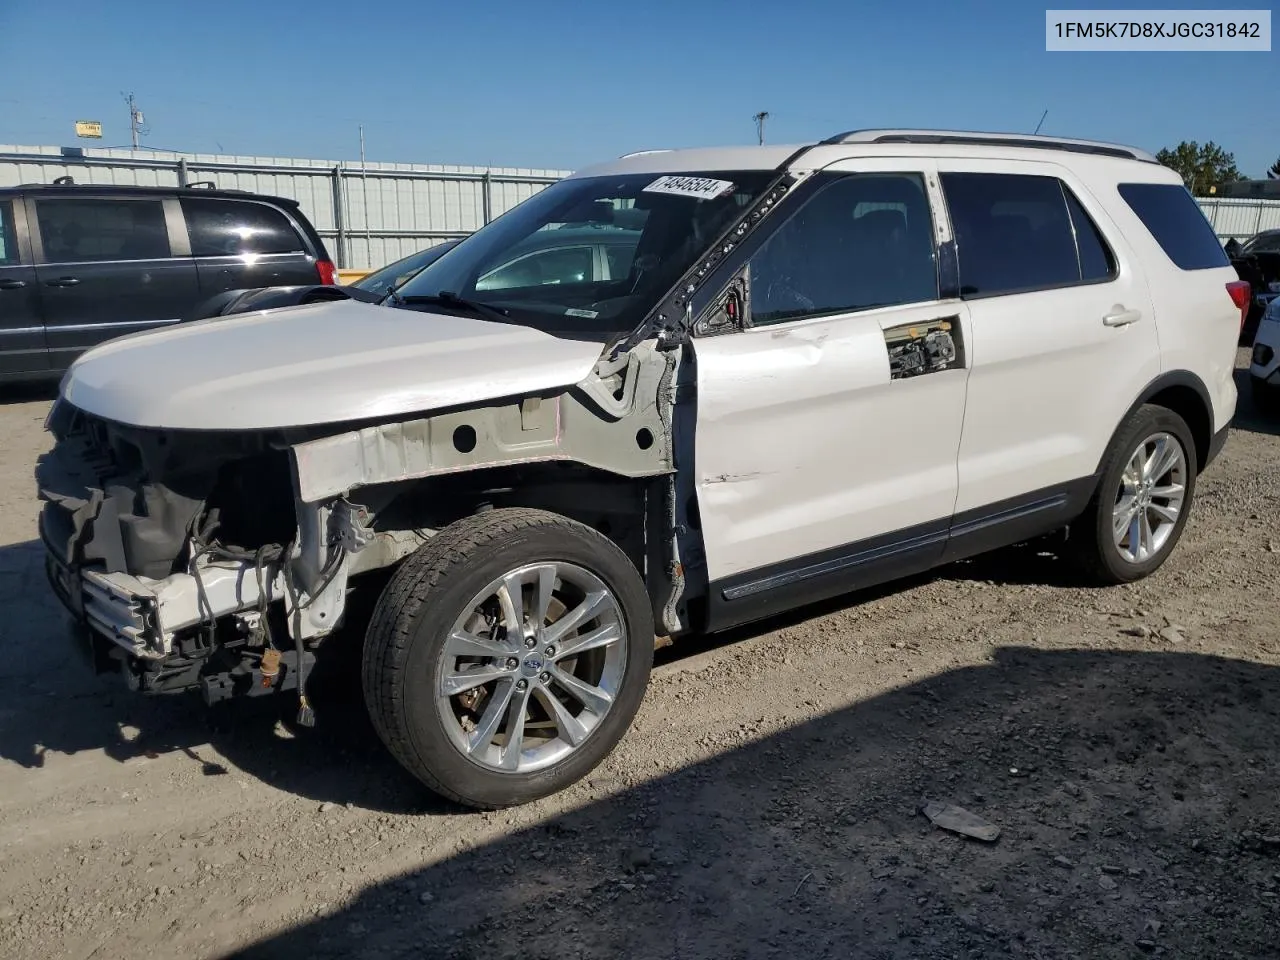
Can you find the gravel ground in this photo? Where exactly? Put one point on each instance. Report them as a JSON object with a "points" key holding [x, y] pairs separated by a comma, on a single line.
{"points": [[767, 802]]}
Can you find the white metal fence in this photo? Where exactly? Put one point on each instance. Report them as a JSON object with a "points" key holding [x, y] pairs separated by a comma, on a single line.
{"points": [[372, 215], [1240, 219], [368, 216]]}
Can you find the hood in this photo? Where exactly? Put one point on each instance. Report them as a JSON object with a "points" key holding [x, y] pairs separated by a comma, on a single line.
{"points": [[316, 364]]}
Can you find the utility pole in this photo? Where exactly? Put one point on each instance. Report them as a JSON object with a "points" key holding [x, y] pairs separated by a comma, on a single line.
{"points": [[364, 189], [760, 118], [135, 119]]}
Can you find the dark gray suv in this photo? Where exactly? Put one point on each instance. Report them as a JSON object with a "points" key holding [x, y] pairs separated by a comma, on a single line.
{"points": [[84, 263]]}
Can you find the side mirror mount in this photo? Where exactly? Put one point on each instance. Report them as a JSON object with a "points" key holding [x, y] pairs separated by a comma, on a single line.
{"points": [[728, 313]]}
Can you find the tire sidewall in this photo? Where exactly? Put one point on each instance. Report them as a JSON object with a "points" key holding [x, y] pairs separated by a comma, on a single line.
{"points": [[427, 736], [1147, 421]]}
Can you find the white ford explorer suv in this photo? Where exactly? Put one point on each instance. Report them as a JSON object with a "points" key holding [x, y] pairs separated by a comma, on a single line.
{"points": [[809, 369]]}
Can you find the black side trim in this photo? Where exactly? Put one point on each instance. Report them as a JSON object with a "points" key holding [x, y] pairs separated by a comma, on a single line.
{"points": [[828, 573], [835, 564], [1173, 378], [1215, 446], [1019, 518], [819, 576]]}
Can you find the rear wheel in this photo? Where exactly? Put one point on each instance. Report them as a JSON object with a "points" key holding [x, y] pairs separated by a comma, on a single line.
{"points": [[1143, 499], [508, 656]]}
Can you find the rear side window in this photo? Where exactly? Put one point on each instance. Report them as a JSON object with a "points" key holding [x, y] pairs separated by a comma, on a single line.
{"points": [[232, 228], [1016, 233], [75, 231], [8, 238], [1177, 222]]}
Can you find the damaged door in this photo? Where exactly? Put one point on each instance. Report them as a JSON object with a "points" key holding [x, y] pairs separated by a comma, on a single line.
{"points": [[829, 415]]}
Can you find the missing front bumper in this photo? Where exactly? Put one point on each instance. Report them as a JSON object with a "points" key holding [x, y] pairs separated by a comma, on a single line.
{"points": [[144, 617]]}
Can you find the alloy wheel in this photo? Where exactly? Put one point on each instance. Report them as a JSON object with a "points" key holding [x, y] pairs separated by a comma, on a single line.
{"points": [[531, 667], [1150, 498]]}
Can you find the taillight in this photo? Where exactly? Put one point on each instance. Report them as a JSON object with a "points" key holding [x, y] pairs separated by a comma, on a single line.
{"points": [[1240, 293], [329, 273]]}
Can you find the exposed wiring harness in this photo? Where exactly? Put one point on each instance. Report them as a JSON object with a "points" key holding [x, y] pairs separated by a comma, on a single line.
{"points": [[204, 543]]}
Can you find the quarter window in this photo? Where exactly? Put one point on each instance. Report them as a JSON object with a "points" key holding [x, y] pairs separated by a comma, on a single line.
{"points": [[1178, 224], [74, 231], [229, 228], [8, 237], [1096, 260], [864, 241], [1017, 233]]}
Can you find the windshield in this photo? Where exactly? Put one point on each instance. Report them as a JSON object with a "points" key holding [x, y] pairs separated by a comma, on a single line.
{"points": [[590, 255], [397, 273]]}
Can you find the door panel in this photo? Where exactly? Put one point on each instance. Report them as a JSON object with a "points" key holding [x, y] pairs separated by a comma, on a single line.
{"points": [[813, 461], [805, 444], [105, 269], [1053, 370], [22, 348]]}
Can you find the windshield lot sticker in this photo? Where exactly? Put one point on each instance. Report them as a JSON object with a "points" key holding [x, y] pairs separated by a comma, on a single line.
{"points": [[704, 188], [574, 312]]}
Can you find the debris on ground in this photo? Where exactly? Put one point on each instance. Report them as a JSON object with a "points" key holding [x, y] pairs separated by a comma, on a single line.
{"points": [[959, 820]]}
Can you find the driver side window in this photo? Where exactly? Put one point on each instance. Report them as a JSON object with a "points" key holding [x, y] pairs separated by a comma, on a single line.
{"points": [[863, 241]]}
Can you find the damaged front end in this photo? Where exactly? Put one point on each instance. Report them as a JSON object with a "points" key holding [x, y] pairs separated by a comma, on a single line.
{"points": [[186, 555], [219, 560]]}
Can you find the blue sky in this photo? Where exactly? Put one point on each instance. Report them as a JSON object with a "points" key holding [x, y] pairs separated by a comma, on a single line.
{"points": [[560, 84]]}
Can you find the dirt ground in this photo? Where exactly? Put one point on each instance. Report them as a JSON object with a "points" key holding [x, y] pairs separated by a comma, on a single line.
{"points": [[766, 803]]}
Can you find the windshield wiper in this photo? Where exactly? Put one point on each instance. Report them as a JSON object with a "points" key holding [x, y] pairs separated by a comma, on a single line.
{"points": [[447, 299]]}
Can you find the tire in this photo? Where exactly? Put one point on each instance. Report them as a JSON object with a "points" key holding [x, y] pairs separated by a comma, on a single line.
{"points": [[1096, 549], [450, 586]]}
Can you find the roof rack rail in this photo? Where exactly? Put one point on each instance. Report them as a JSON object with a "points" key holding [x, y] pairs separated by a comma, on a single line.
{"points": [[974, 138], [63, 181], [202, 184]]}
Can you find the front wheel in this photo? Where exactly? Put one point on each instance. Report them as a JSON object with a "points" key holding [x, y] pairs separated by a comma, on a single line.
{"points": [[508, 656], [1142, 501]]}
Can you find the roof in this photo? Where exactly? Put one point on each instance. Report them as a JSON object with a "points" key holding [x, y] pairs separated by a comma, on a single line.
{"points": [[129, 189], [878, 142]]}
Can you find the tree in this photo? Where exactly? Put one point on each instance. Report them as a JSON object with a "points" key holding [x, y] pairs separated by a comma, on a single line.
{"points": [[1274, 172], [1201, 166]]}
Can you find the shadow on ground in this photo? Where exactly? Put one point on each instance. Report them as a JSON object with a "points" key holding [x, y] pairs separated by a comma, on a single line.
{"points": [[1248, 416], [45, 663], [28, 392], [43, 666], [1135, 793]]}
